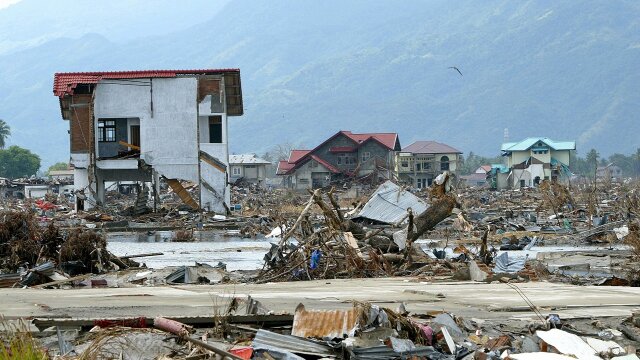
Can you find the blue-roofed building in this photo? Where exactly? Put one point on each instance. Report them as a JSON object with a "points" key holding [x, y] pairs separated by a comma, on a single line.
{"points": [[535, 159]]}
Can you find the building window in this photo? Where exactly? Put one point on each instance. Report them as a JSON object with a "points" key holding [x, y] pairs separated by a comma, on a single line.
{"points": [[215, 129], [346, 159], [404, 164], [235, 170], [444, 163], [365, 156], [107, 130], [418, 166]]}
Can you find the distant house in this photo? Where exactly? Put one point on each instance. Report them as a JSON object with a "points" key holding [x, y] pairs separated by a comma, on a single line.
{"points": [[248, 167], [342, 156], [610, 172], [36, 191], [61, 175], [419, 163], [535, 159], [145, 125], [484, 169]]}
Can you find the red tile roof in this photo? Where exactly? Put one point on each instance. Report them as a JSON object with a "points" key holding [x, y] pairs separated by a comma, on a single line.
{"points": [[65, 83], [299, 157], [430, 147], [324, 163], [296, 155], [283, 167], [386, 139]]}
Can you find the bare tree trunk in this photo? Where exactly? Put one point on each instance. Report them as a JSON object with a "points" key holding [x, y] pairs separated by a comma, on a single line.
{"points": [[438, 211]]}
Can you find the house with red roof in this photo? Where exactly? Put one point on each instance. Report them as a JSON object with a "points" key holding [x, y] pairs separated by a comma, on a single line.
{"points": [[419, 163], [345, 155], [148, 125]]}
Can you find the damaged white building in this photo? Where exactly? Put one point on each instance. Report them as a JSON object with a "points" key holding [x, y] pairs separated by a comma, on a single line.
{"points": [[146, 125]]}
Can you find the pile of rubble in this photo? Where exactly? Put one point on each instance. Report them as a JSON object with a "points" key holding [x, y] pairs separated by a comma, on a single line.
{"points": [[364, 331], [31, 254]]}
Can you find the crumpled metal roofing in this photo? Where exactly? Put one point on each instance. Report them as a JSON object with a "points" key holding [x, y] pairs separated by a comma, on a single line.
{"points": [[268, 340], [383, 352], [324, 323], [389, 204]]}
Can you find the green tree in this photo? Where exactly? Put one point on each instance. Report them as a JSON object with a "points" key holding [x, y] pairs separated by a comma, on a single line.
{"points": [[592, 160], [58, 166], [5, 132], [16, 162], [472, 162]]}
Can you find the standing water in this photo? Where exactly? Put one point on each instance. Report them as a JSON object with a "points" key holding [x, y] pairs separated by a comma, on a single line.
{"points": [[208, 247]]}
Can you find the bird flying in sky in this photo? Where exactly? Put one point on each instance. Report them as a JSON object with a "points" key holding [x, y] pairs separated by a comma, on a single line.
{"points": [[456, 69]]}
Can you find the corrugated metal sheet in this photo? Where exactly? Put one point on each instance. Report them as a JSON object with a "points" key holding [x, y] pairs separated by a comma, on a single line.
{"points": [[389, 204], [529, 142], [383, 352], [324, 323], [268, 340]]}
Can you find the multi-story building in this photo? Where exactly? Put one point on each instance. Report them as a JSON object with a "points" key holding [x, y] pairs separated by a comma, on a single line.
{"points": [[343, 155], [535, 159], [150, 124], [419, 163]]}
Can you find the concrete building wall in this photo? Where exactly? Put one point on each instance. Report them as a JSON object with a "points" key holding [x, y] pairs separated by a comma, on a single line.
{"points": [[545, 158], [375, 150], [562, 156], [35, 191], [169, 118], [518, 157]]}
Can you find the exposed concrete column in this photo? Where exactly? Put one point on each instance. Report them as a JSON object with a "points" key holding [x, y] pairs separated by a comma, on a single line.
{"points": [[156, 184], [100, 190]]}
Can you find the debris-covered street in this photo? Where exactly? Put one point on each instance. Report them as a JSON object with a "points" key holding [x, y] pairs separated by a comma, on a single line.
{"points": [[480, 275], [316, 180]]}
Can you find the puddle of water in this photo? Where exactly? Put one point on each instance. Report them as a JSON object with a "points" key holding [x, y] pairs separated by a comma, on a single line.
{"points": [[209, 247]]}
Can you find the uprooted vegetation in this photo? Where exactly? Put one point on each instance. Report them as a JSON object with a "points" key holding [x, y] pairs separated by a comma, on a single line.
{"points": [[342, 248], [24, 242]]}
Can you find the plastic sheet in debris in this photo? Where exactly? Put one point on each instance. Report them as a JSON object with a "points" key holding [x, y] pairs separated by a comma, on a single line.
{"points": [[504, 265], [568, 344]]}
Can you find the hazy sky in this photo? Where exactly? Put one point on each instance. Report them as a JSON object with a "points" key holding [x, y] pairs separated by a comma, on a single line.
{"points": [[5, 3]]}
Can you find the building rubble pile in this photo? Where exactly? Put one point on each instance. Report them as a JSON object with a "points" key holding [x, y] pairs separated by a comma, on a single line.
{"points": [[31, 254], [339, 247], [476, 233], [244, 329]]}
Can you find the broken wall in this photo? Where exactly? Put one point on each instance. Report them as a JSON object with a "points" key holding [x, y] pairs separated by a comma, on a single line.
{"points": [[168, 112]]}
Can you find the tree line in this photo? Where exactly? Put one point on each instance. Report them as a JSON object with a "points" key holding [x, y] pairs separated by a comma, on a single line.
{"points": [[15, 162]]}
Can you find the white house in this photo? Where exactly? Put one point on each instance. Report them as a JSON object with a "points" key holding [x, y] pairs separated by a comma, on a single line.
{"points": [[61, 175], [148, 124], [248, 167], [535, 159]]}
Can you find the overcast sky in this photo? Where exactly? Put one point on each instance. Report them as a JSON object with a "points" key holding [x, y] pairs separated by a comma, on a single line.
{"points": [[5, 3]]}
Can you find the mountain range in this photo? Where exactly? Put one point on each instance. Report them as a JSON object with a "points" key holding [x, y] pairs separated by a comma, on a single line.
{"points": [[562, 69]]}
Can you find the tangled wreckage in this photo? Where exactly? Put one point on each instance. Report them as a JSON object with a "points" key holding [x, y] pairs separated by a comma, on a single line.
{"points": [[442, 236]]}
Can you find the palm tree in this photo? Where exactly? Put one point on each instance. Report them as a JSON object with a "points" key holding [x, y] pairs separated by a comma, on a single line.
{"points": [[5, 132]]}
